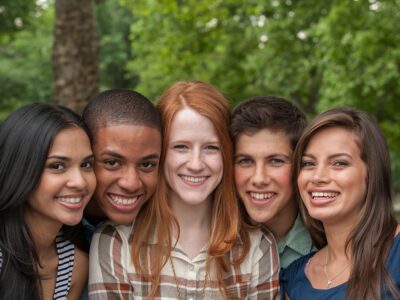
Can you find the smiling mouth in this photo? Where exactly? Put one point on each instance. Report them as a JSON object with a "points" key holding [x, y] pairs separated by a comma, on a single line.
{"points": [[193, 179], [261, 196], [72, 200], [123, 201], [328, 195]]}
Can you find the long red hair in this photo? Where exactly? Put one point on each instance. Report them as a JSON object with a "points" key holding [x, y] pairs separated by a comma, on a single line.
{"points": [[156, 218]]}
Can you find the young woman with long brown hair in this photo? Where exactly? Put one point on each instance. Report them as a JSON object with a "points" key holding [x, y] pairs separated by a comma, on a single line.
{"points": [[343, 172], [189, 241]]}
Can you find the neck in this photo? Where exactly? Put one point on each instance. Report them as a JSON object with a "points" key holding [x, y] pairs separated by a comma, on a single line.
{"points": [[191, 216], [336, 237], [281, 224], [194, 223]]}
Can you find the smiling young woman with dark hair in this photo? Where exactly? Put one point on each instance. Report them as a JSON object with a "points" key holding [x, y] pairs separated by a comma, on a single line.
{"points": [[343, 172], [46, 179]]}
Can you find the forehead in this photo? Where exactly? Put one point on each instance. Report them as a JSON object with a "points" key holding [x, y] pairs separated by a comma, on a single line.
{"points": [[71, 140], [127, 140], [333, 139], [188, 124], [263, 141]]}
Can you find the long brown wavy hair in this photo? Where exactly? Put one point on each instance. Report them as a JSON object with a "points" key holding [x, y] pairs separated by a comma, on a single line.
{"points": [[156, 218], [373, 233]]}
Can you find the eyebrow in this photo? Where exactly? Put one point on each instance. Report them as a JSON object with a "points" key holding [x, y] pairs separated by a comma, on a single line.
{"points": [[151, 156], [268, 156], [330, 156], [117, 155], [66, 158]]}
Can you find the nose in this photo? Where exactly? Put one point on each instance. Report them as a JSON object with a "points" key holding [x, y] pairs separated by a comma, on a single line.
{"points": [[130, 180], [260, 176], [320, 175], [77, 179], [195, 162]]}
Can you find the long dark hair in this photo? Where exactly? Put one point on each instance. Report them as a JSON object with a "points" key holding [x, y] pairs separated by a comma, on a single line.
{"points": [[374, 230], [25, 139]]}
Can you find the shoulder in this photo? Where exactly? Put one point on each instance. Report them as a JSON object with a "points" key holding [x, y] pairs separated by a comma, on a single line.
{"points": [[79, 274], [111, 232], [262, 247], [109, 242]]}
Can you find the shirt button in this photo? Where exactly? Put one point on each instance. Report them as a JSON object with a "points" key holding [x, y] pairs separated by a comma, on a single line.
{"points": [[191, 267]]}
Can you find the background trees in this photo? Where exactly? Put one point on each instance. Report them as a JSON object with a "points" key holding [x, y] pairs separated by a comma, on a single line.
{"points": [[319, 54]]}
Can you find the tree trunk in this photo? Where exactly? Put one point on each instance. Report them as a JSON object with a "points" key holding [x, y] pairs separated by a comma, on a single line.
{"points": [[75, 53]]}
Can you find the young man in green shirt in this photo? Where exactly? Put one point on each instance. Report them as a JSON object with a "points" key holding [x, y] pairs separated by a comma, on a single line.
{"points": [[265, 131]]}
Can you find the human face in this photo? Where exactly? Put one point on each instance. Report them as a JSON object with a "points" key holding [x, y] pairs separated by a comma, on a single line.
{"points": [[332, 179], [263, 176], [193, 164], [127, 158], [67, 181]]}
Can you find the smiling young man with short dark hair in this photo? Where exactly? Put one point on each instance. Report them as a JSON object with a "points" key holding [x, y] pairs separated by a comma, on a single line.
{"points": [[265, 131]]}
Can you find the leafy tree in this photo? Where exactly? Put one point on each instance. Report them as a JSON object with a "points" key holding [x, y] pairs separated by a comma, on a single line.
{"points": [[320, 54], [113, 24], [25, 65], [14, 14]]}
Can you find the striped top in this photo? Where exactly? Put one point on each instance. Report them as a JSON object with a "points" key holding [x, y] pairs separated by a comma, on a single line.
{"points": [[112, 274], [66, 253]]}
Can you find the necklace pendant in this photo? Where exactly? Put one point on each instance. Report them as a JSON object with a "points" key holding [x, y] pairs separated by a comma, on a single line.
{"points": [[329, 283]]}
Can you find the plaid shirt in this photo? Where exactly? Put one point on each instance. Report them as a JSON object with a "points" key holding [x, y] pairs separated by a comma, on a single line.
{"points": [[113, 276]]}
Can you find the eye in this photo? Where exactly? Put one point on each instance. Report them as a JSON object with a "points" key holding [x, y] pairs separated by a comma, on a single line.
{"points": [[87, 165], [340, 163], [276, 162], [57, 166], [213, 148], [112, 163], [307, 163], [180, 147], [148, 166], [244, 162]]}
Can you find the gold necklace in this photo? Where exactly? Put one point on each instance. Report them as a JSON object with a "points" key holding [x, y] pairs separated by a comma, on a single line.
{"points": [[330, 280], [178, 290]]}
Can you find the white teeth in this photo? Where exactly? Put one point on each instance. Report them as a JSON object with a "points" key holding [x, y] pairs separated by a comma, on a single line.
{"points": [[69, 200], [193, 179], [324, 194], [261, 196], [123, 201]]}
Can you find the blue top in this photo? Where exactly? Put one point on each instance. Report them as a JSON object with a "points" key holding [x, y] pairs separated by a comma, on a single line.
{"points": [[295, 283]]}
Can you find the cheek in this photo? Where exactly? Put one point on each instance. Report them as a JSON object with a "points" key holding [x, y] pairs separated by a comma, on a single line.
{"points": [[91, 182], [216, 163], [302, 180], [104, 177], [150, 182], [284, 177], [241, 176]]}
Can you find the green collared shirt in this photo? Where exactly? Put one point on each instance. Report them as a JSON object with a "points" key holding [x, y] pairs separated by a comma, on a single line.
{"points": [[295, 244]]}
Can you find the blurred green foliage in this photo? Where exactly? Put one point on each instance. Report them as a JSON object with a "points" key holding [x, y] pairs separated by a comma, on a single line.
{"points": [[319, 54]]}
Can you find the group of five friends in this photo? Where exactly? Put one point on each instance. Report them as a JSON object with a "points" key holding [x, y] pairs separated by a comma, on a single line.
{"points": [[189, 200]]}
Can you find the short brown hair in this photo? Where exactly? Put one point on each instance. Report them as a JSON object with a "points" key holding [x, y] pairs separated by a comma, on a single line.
{"points": [[268, 112]]}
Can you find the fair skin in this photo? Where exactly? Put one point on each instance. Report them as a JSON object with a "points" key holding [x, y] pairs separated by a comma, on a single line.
{"points": [[332, 184], [193, 169], [127, 159], [263, 173], [64, 189]]}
